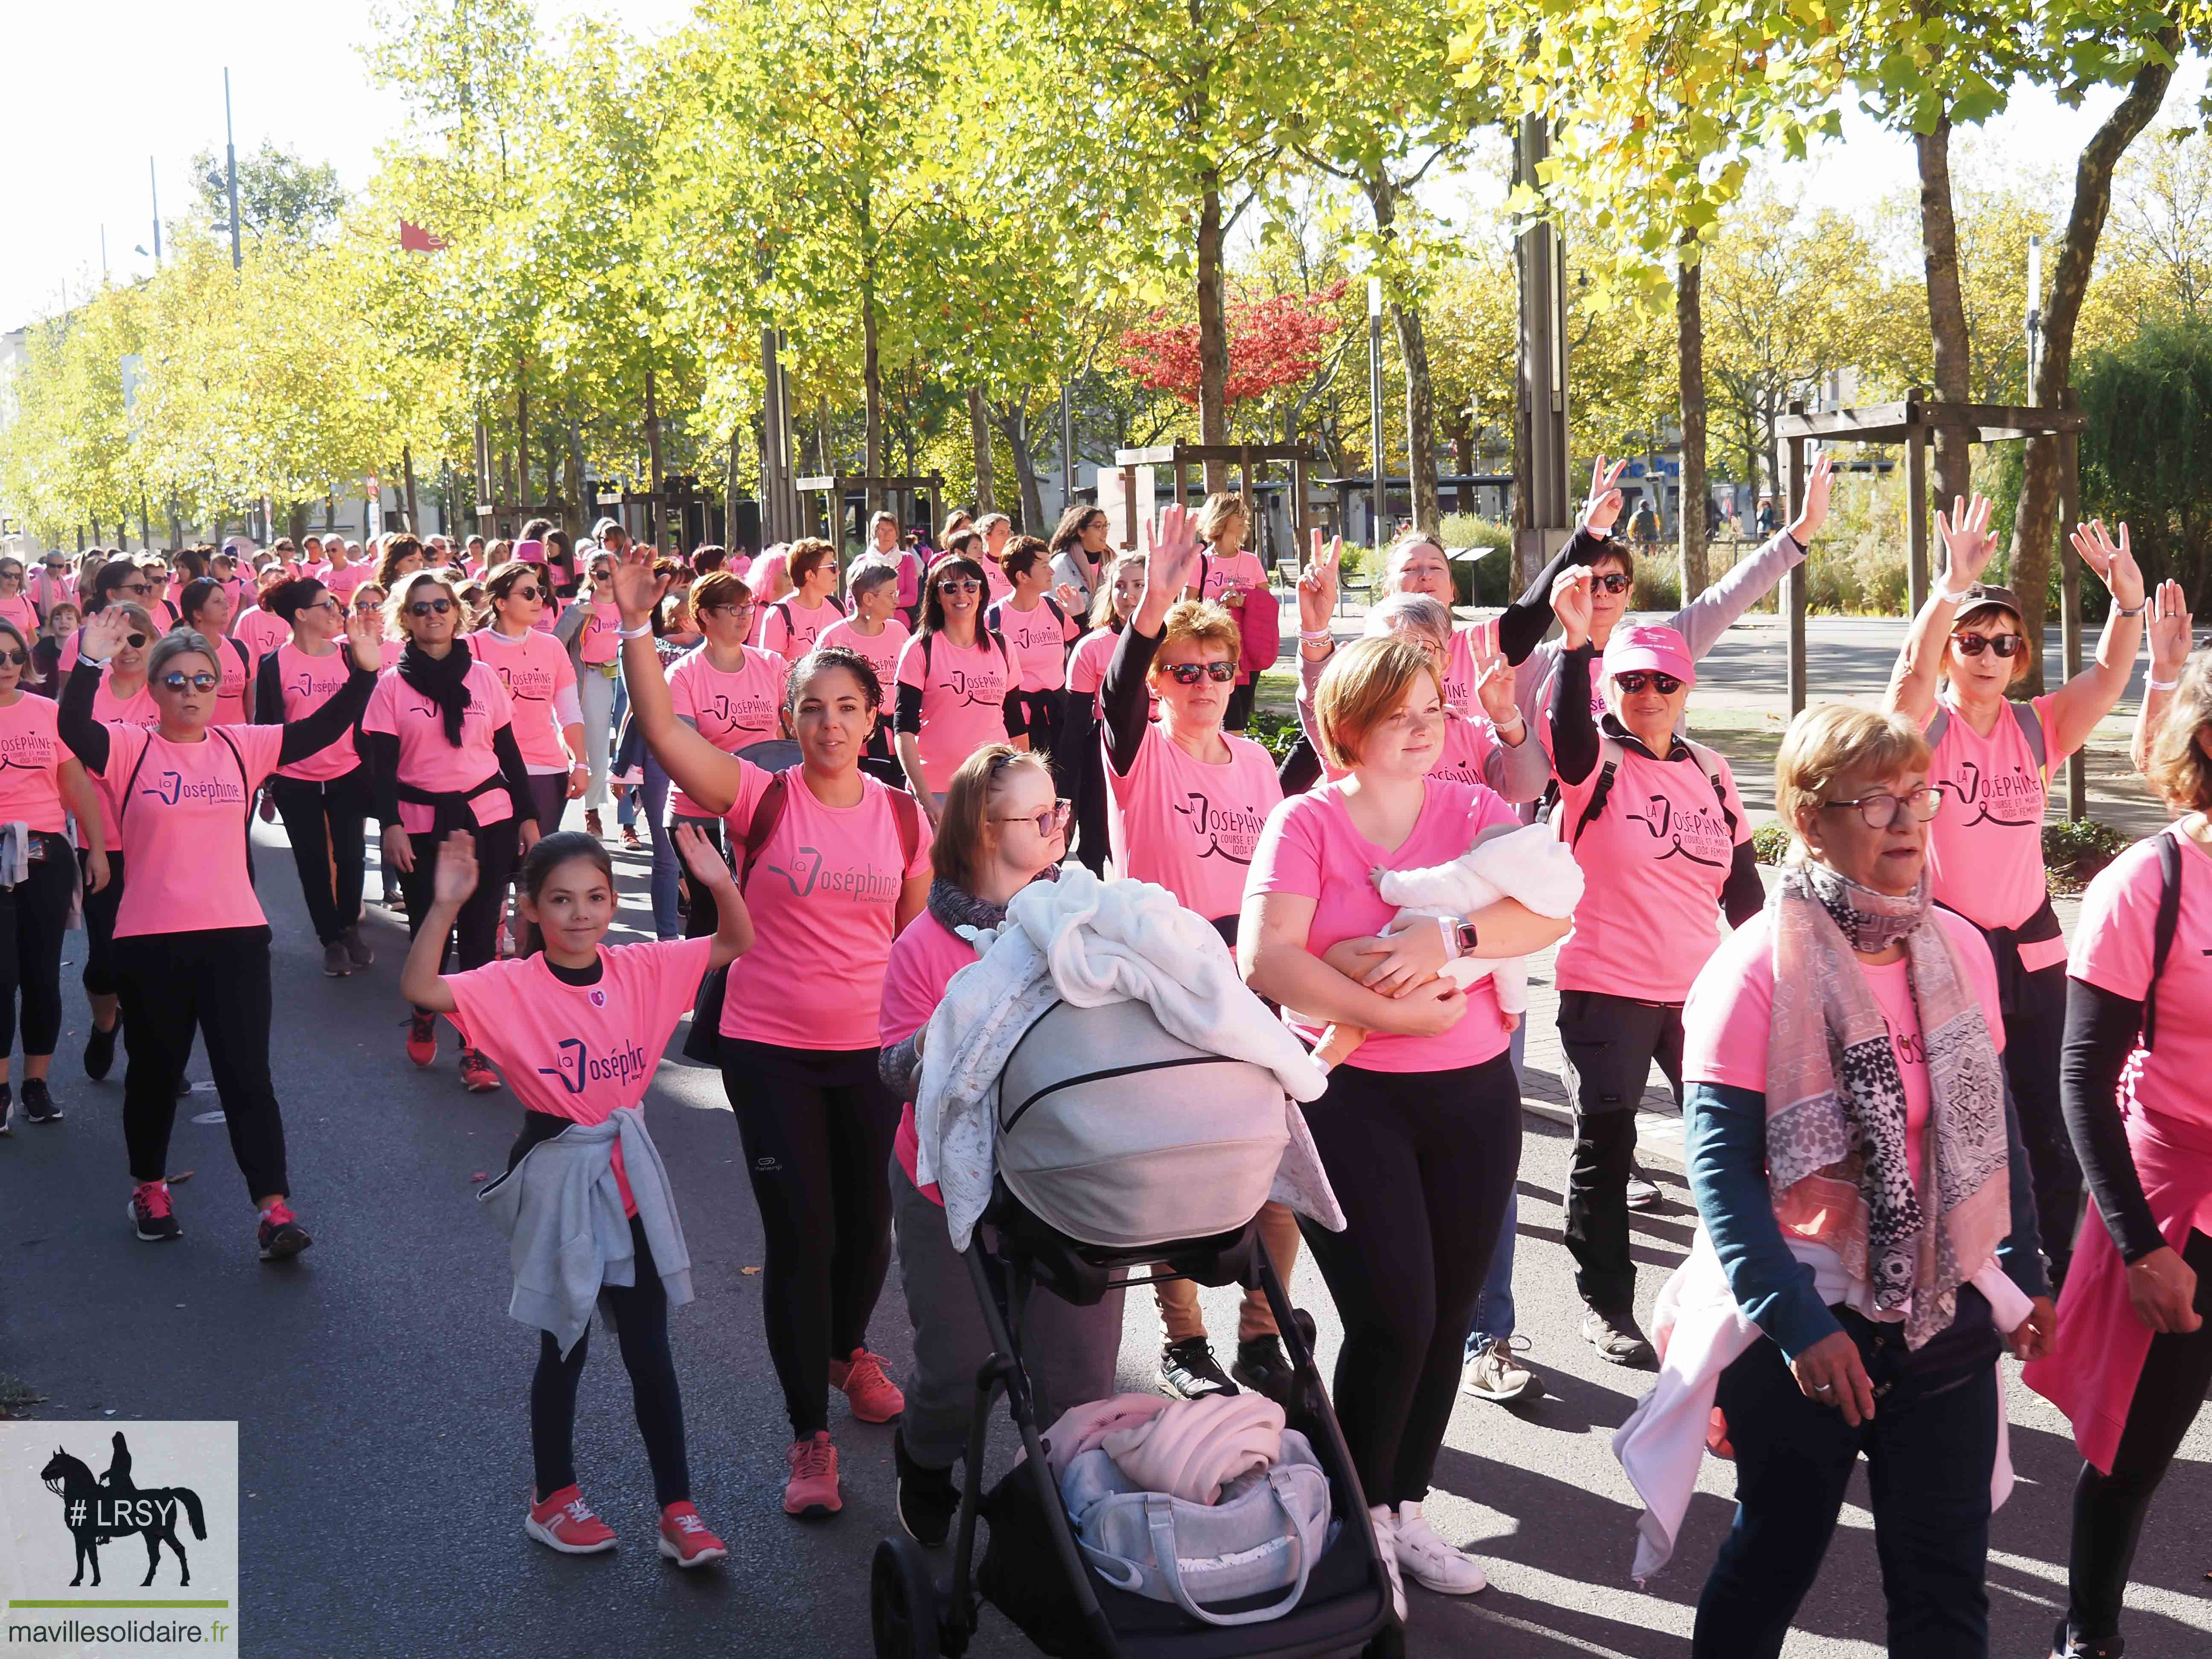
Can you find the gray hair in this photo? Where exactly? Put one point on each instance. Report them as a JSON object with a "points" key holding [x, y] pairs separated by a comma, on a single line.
{"points": [[869, 572], [1415, 614], [181, 642]]}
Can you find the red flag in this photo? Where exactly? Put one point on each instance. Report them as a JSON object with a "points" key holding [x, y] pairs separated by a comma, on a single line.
{"points": [[413, 239]]}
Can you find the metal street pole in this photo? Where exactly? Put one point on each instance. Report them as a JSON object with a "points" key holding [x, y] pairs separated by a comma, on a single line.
{"points": [[1375, 404], [1066, 449], [230, 155], [2034, 312], [154, 190]]}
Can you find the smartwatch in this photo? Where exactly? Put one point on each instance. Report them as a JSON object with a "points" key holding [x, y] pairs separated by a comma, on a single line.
{"points": [[1467, 939]]}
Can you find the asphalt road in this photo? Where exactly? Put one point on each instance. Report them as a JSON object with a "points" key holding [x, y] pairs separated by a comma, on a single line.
{"points": [[380, 1388]]}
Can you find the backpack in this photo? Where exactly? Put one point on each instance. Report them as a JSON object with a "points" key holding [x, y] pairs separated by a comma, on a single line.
{"points": [[1005, 655], [782, 608], [1613, 753], [2023, 716], [2163, 928]]}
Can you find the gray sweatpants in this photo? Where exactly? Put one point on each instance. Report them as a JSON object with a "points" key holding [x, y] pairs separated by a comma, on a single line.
{"points": [[1069, 1351]]}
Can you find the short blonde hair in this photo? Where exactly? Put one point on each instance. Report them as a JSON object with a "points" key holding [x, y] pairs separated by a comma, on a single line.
{"points": [[1361, 687], [1201, 622], [1214, 515], [2177, 766], [1830, 739]]}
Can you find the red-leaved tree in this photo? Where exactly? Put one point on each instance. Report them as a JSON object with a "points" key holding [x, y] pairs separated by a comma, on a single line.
{"points": [[1273, 343]]}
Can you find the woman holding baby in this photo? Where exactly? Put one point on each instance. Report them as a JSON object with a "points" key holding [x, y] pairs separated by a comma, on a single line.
{"points": [[1420, 1128]]}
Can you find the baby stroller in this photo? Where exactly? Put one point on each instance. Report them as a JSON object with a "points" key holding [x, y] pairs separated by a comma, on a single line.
{"points": [[1033, 1570]]}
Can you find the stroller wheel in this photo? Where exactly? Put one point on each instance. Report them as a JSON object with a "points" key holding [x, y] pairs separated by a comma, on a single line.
{"points": [[902, 1602]]}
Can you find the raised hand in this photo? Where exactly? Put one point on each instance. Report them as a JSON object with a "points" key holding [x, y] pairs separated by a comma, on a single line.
{"points": [[1571, 604], [1172, 562], [365, 640], [1069, 599], [1317, 585], [708, 865], [636, 586], [1812, 512], [1602, 510], [2113, 562], [2170, 635], [1493, 684], [104, 634], [456, 876], [1965, 533]]}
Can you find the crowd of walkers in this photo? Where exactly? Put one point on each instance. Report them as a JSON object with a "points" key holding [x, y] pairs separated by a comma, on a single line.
{"points": [[1923, 1130]]}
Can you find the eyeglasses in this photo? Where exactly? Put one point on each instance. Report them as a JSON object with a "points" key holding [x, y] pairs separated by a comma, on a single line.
{"points": [[1613, 581], [1049, 823], [1879, 811], [959, 585], [1190, 673], [437, 607], [1633, 683], [2005, 645], [200, 681]]}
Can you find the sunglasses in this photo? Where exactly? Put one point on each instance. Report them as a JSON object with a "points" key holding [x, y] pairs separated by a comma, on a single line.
{"points": [[2005, 645], [519, 592], [200, 681], [326, 602], [136, 641], [1049, 823], [431, 607], [1879, 811], [1633, 683], [959, 585], [13, 659], [368, 605], [1190, 673], [142, 589], [1613, 582]]}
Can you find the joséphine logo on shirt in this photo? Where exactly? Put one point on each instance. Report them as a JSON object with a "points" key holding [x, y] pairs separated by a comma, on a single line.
{"points": [[1699, 834], [2012, 799], [986, 690], [809, 875], [575, 1068], [749, 711], [175, 789], [527, 684], [306, 682], [31, 752], [1223, 832]]}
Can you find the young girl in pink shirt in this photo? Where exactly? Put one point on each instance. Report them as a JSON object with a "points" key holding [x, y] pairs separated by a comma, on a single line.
{"points": [[579, 1028], [206, 609], [1232, 575], [789, 627], [834, 866], [15, 604]]}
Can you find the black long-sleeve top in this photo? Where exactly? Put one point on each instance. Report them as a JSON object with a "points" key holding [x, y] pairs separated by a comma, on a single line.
{"points": [[1126, 698], [87, 738], [384, 772], [1524, 624], [2101, 1028], [1575, 750]]}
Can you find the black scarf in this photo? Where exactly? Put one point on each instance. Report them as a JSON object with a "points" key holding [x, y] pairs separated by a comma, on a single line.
{"points": [[444, 680], [956, 908]]}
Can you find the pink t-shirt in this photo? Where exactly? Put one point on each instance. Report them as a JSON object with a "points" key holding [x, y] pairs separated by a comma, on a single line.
{"points": [[184, 825], [232, 692], [427, 761], [923, 960], [2113, 944], [1311, 848], [1189, 826], [1086, 670], [1245, 570], [108, 710], [909, 577], [548, 614], [1986, 847], [343, 582], [1039, 641], [963, 697], [308, 682], [30, 756], [731, 710], [260, 632], [599, 640], [1727, 1022], [758, 575], [17, 608], [824, 897], [535, 671], [789, 630], [882, 651], [997, 583], [582, 1052], [1653, 863]]}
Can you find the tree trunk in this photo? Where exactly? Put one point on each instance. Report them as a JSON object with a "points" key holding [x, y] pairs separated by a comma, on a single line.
{"points": [[979, 429], [1414, 349], [2035, 520], [1690, 326], [1212, 332], [1013, 421], [1947, 306]]}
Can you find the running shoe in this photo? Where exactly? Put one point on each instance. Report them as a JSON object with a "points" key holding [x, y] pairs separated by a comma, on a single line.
{"points": [[477, 1074], [100, 1050], [565, 1522], [356, 948], [1496, 1374], [812, 1492], [1643, 1193], [336, 964], [1189, 1370], [38, 1106], [1385, 1546], [1617, 1339], [7, 1111], [592, 826], [1429, 1561], [684, 1539], [1263, 1367], [630, 837], [2064, 1644], [281, 1236], [875, 1398], [422, 1038], [150, 1214], [928, 1500]]}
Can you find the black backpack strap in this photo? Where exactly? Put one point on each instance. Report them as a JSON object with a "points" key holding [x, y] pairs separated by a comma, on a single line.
{"points": [[2163, 929], [1597, 800], [130, 787]]}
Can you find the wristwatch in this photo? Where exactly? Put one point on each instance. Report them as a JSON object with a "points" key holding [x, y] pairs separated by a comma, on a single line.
{"points": [[1467, 939]]}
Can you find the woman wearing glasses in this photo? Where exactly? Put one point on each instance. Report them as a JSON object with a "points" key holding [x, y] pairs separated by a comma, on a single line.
{"points": [[1994, 759], [790, 627], [874, 631], [119, 581], [324, 798], [191, 944], [206, 609], [53, 583], [587, 630], [1080, 550], [958, 685], [121, 698], [16, 606], [842, 863], [1664, 844], [540, 681], [442, 757]]}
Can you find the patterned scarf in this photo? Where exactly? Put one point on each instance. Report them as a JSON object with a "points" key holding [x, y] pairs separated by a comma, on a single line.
{"points": [[1837, 1163]]}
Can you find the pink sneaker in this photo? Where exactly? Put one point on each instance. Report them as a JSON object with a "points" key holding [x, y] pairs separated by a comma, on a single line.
{"points": [[811, 1491], [875, 1398], [684, 1539], [565, 1522]]}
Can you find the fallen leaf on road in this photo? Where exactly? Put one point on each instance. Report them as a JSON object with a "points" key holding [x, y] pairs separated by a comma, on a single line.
{"points": [[749, 1272], [182, 1174]]}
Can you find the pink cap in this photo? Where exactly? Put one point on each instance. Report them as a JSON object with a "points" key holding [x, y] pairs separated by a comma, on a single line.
{"points": [[531, 552], [1647, 646]]}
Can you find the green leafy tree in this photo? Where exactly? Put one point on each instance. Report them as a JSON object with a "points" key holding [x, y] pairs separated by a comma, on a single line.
{"points": [[279, 195]]}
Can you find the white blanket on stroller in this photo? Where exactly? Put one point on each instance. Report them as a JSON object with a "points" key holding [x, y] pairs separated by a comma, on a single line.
{"points": [[1090, 942]]}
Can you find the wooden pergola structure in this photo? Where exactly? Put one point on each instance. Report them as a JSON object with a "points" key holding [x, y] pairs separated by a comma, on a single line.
{"points": [[1914, 422], [1250, 460], [832, 490]]}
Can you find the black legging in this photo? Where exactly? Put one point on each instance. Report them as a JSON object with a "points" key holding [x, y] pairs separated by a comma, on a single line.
{"points": [[35, 918], [216, 981], [476, 930], [1422, 1163], [325, 823], [816, 1127], [2109, 1508], [638, 1314], [99, 923], [1079, 749], [2035, 1034]]}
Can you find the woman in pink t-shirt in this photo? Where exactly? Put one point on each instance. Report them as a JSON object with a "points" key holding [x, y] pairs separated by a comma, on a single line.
{"points": [[833, 866], [191, 944], [770, 581], [996, 531], [540, 681], [122, 696], [1077, 743], [1994, 762], [587, 629], [1038, 629], [957, 684], [1832, 1047], [1420, 1131], [580, 1028], [1233, 576], [2131, 1361], [403, 556], [206, 609], [874, 631], [15, 605], [443, 756], [324, 798], [1002, 831], [41, 782], [789, 627]]}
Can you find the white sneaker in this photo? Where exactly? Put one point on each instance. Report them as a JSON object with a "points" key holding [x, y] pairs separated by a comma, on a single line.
{"points": [[1385, 1546], [1430, 1562]]}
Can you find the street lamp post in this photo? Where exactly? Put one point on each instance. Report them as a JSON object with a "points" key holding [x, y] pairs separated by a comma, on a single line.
{"points": [[1375, 401], [230, 160], [2034, 313]]}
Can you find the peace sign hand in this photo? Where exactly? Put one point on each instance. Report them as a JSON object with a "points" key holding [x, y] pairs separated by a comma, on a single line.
{"points": [[1493, 679], [1317, 585], [1966, 533], [2113, 562], [1602, 510]]}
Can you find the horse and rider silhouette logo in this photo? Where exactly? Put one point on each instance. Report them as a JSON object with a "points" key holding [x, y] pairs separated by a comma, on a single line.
{"points": [[97, 1512]]}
